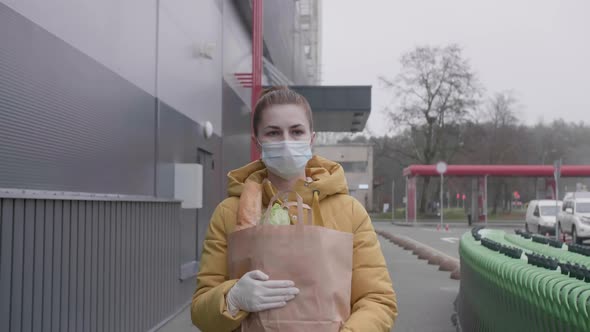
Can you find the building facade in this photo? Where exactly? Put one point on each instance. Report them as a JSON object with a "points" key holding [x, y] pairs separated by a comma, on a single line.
{"points": [[101, 102], [357, 161]]}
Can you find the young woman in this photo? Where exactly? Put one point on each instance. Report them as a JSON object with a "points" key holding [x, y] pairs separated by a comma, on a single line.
{"points": [[283, 131]]}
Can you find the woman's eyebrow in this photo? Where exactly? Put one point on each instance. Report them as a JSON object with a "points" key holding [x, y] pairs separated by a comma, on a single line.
{"points": [[278, 128]]}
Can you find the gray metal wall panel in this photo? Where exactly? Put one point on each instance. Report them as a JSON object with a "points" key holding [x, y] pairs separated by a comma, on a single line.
{"points": [[111, 267], [161, 286], [179, 140], [38, 273], [63, 213], [128, 266], [86, 263], [47, 275], [236, 135], [65, 264], [143, 263], [169, 262], [94, 268], [82, 25], [17, 266], [105, 272], [81, 266], [73, 253], [6, 261], [190, 85], [124, 266], [210, 200], [74, 261], [134, 266], [63, 116], [153, 266], [119, 267], [188, 232], [28, 266], [60, 240]]}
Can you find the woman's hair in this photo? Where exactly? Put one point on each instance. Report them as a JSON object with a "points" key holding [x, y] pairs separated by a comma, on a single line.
{"points": [[279, 95]]}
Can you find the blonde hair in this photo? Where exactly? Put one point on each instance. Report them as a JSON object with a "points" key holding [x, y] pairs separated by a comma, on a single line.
{"points": [[279, 95]]}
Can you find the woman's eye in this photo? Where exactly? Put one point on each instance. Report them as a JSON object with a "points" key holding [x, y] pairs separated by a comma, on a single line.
{"points": [[272, 133], [298, 132]]}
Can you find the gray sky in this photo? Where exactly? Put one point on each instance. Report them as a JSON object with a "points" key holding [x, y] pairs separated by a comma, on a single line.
{"points": [[538, 48]]}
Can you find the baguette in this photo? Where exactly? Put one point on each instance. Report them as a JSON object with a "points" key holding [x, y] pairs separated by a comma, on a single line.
{"points": [[250, 206]]}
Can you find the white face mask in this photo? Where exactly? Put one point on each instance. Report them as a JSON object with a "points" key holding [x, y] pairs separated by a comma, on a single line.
{"points": [[286, 159]]}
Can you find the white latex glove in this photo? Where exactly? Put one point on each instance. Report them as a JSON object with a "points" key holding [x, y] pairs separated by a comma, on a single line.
{"points": [[254, 292]]}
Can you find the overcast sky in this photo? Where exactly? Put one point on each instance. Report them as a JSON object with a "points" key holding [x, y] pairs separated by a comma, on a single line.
{"points": [[538, 48]]}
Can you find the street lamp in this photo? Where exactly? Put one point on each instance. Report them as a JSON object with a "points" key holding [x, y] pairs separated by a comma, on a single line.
{"points": [[392, 201], [441, 168]]}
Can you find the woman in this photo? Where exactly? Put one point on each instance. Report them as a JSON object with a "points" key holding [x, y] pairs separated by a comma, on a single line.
{"points": [[283, 131]]}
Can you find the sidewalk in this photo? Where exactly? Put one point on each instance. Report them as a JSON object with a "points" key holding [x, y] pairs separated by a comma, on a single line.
{"points": [[181, 323], [425, 295], [434, 223]]}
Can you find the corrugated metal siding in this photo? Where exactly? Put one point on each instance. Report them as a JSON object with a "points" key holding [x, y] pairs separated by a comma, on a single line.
{"points": [[88, 265], [64, 117]]}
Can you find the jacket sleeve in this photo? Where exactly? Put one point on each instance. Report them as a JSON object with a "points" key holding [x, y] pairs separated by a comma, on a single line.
{"points": [[208, 309], [374, 304]]}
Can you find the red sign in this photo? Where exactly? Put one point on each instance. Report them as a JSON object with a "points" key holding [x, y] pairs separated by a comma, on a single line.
{"points": [[458, 196], [464, 197]]}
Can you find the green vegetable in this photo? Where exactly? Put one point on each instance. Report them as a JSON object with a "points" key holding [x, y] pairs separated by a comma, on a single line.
{"points": [[278, 216]]}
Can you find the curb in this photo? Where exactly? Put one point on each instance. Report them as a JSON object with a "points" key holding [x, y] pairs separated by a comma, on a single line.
{"points": [[432, 224], [433, 256]]}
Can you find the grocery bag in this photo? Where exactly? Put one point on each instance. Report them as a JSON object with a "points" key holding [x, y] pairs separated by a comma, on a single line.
{"points": [[317, 259]]}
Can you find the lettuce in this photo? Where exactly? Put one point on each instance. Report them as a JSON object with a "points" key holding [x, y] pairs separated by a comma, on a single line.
{"points": [[278, 216]]}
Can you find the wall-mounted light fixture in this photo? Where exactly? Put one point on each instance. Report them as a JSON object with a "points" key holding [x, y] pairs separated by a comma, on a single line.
{"points": [[204, 50], [208, 130]]}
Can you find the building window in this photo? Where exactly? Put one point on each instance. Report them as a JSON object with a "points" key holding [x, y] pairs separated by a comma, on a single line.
{"points": [[355, 166]]}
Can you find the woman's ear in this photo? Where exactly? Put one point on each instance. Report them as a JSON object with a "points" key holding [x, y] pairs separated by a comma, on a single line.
{"points": [[256, 143]]}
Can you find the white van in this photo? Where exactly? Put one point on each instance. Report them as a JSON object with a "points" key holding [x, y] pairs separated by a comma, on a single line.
{"points": [[574, 219], [541, 216]]}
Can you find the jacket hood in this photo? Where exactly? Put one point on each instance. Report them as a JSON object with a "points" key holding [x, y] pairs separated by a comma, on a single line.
{"points": [[327, 178]]}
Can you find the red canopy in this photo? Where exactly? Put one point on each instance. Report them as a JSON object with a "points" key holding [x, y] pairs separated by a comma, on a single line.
{"points": [[500, 170]]}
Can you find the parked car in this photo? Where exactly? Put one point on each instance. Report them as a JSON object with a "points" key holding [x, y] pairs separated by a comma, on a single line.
{"points": [[573, 195], [574, 218], [541, 216]]}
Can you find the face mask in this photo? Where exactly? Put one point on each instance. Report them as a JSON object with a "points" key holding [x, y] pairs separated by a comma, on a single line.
{"points": [[286, 159]]}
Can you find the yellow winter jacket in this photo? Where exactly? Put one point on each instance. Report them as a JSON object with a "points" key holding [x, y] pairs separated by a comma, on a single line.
{"points": [[373, 301]]}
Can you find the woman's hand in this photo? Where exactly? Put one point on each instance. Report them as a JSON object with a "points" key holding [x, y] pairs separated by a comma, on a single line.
{"points": [[254, 292]]}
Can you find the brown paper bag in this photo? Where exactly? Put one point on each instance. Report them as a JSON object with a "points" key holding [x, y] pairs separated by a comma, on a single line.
{"points": [[317, 259]]}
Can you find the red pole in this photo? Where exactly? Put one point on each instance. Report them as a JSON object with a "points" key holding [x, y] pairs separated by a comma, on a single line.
{"points": [[257, 18]]}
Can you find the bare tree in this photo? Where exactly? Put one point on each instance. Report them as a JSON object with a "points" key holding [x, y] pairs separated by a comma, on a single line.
{"points": [[502, 122], [435, 92], [502, 136]]}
